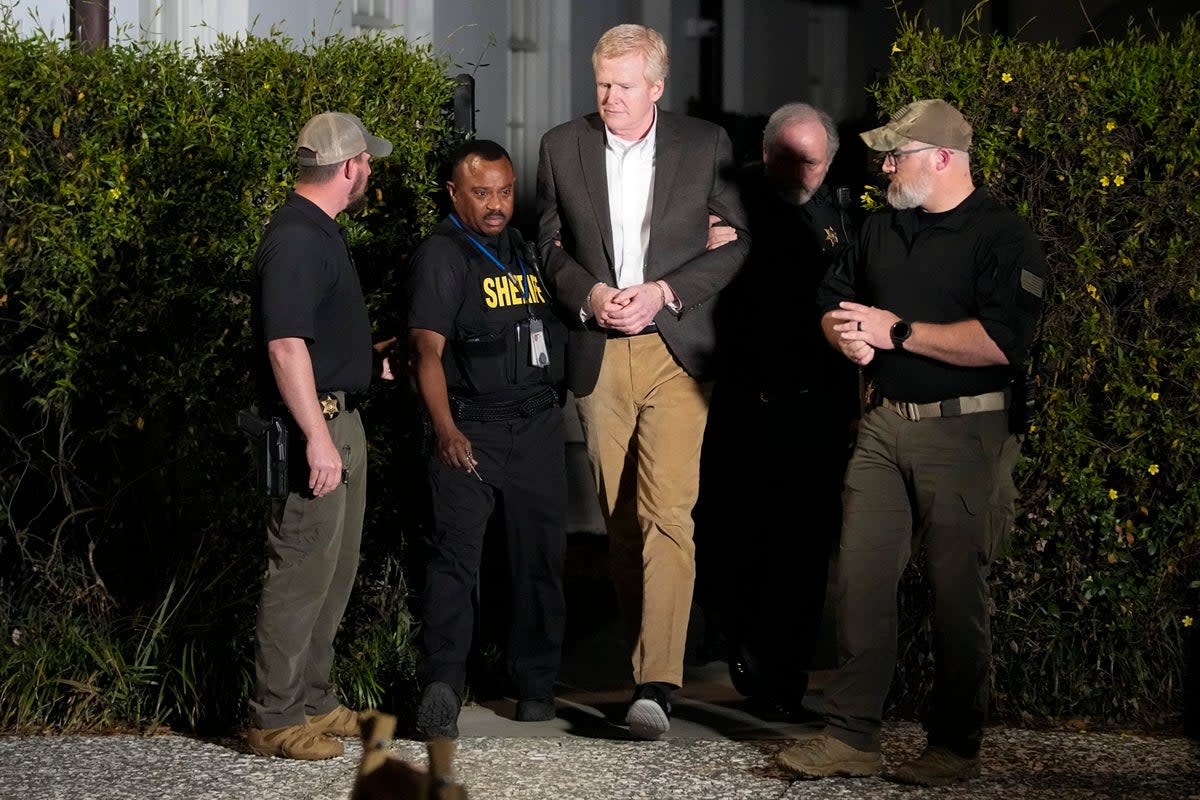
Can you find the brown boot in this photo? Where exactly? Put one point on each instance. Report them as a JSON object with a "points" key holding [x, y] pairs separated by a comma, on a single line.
{"points": [[293, 741], [937, 766], [823, 756], [339, 722]]}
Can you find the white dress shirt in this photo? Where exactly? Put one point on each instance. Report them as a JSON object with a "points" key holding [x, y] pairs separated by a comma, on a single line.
{"points": [[630, 169]]}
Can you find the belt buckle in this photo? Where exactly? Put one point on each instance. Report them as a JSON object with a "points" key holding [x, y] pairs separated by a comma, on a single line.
{"points": [[910, 411], [329, 406]]}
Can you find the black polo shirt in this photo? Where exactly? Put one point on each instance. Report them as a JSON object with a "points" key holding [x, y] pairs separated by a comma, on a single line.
{"points": [[308, 288], [978, 261]]}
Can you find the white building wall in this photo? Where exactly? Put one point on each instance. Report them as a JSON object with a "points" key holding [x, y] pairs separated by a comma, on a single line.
{"points": [[202, 20], [474, 34]]}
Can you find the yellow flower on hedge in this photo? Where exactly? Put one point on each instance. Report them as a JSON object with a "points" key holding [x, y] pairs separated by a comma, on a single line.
{"points": [[1108, 126], [1119, 180], [1154, 396], [1093, 291], [1152, 469], [1187, 621], [896, 48], [1112, 494], [1104, 180], [267, 85], [1006, 77]]}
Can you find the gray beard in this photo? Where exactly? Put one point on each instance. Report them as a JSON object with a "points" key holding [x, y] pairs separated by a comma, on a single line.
{"points": [[796, 197], [910, 195]]}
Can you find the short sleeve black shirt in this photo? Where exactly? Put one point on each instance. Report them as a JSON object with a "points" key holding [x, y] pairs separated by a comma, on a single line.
{"points": [[308, 288], [978, 261], [477, 302]]}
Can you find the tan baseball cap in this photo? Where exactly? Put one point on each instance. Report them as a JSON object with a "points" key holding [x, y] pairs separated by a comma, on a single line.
{"points": [[334, 137], [931, 121]]}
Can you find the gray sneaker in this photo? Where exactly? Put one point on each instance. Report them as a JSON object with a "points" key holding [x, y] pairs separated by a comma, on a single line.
{"points": [[437, 713], [937, 766], [823, 756]]}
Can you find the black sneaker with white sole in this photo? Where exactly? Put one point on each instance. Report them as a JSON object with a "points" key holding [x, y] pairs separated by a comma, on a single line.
{"points": [[649, 716]]}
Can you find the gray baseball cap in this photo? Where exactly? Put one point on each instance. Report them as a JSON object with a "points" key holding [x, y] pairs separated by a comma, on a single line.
{"points": [[931, 121], [334, 137]]}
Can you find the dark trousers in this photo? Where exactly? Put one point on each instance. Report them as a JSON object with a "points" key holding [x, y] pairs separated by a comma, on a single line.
{"points": [[766, 527], [524, 461], [946, 483], [312, 558]]}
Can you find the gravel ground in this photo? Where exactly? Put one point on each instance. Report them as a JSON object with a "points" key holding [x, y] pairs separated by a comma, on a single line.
{"points": [[1017, 764]]}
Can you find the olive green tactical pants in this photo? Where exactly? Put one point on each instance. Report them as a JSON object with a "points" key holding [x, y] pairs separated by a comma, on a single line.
{"points": [[945, 483], [312, 558]]}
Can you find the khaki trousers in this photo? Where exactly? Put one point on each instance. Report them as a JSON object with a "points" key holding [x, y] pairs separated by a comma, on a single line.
{"points": [[643, 425]]}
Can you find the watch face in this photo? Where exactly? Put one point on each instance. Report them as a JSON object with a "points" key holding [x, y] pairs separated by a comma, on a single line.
{"points": [[900, 332]]}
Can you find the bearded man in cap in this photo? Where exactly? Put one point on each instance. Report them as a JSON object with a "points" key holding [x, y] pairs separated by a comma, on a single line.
{"points": [[317, 358], [939, 301]]}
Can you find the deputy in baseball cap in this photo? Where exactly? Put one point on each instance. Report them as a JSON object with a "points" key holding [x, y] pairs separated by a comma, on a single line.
{"points": [[334, 137], [933, 122]]}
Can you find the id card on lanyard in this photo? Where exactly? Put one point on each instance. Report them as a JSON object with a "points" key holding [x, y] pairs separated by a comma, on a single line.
{"points": [[539, 355]]}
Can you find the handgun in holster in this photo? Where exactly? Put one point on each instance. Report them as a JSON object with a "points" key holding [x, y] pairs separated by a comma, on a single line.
{"points": [[269, 448]]}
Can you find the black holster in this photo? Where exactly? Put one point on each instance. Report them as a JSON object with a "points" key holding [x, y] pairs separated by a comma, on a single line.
{"points": [[269, 450]]}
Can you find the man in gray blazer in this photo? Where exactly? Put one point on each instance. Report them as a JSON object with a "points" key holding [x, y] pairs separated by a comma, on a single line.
{"points": [[624, 202]]}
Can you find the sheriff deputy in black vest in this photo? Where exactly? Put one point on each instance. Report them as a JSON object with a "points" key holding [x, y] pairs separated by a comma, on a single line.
{"points": [[487, 353]]}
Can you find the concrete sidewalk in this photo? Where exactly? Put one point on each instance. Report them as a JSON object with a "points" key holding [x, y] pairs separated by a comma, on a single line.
{"points": [[580, 755], [716, 750]]}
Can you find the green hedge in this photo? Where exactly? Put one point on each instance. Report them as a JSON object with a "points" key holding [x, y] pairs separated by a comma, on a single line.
{"points": [[1099, 149], [134, 182]]}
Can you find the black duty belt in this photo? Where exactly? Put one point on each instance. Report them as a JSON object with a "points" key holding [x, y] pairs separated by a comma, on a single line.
{"points": [[954, 407], [464, 408], [334, 403]]}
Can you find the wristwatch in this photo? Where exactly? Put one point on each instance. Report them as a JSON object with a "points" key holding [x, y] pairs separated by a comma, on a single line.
{"points": [[901, 330]]}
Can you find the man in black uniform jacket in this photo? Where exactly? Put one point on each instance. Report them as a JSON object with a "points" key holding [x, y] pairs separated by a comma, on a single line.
{"points": [[488, 357], [768, 531], [310, 315], [939, 302]]}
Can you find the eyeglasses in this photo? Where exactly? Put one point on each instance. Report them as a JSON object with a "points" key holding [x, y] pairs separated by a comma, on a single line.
{"points": [[895, 156]]}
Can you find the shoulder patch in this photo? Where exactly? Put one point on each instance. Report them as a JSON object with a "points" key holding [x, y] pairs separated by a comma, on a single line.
{"points": [[1033, 284]]}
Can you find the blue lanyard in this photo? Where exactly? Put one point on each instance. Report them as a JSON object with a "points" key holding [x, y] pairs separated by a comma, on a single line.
{"points": [[479, 245]]}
